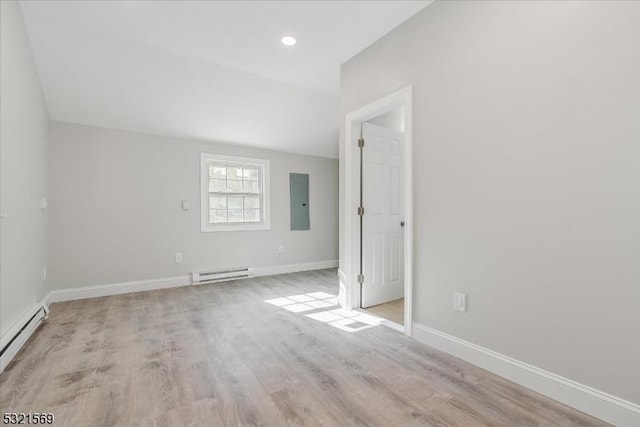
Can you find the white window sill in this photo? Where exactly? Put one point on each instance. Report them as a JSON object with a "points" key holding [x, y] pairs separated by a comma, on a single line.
{"points": [[240, 227]]}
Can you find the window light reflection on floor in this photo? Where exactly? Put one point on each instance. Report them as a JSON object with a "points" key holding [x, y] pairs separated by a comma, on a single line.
{"points": [[325, 309]]}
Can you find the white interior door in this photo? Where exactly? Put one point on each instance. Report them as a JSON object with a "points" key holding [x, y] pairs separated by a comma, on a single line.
{"points": [[382, 226]]}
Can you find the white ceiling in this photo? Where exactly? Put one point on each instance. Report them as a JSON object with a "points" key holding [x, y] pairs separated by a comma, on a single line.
{"points": [[212, 70]]}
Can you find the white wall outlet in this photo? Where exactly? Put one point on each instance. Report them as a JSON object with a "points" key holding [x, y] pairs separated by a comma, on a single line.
{"points": [[178, 257], [44, 204], [44, 273], [185, 205], [459, 302], [280, 249]]}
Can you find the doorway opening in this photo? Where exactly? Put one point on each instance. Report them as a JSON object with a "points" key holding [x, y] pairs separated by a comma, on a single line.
{"points": [[376, 274], [382, 226]]}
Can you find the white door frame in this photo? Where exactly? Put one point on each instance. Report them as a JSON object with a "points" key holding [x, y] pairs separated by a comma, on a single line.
{"points": [[349, 271]]}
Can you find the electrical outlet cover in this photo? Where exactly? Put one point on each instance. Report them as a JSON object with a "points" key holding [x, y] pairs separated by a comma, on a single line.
{"points": [[459, 302]]}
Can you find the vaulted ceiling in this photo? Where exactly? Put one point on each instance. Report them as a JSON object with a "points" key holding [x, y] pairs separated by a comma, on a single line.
{"points": [[210, 70]]}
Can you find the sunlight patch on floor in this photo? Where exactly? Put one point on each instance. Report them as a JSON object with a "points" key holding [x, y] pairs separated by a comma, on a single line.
{"points": [[349, 321]]}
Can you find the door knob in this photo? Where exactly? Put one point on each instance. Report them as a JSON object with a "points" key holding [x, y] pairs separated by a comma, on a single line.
{"points": [[401, 223]]}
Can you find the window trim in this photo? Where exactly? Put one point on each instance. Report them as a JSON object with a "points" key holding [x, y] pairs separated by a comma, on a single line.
{"points": [[263, 164]]}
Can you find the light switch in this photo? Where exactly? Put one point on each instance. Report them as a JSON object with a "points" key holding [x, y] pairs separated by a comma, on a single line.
{"points": [[185, 205]]}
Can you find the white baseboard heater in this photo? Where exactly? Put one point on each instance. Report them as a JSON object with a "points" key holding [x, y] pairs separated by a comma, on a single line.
{"points": [[12, 341], [220, 275]]}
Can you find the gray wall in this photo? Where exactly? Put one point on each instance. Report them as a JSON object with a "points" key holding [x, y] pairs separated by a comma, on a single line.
{"points": [[526, 177], [115, 210], [23, 170]]}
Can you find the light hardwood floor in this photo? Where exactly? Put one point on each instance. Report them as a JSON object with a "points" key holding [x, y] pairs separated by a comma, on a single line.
{"points": [[219, 355], [392, 310]]}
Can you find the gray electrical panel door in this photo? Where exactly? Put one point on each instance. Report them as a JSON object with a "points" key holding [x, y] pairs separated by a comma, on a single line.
{"points": [[299, 193]]}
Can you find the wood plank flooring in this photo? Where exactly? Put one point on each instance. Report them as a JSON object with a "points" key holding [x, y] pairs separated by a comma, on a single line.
{"points": [[220, 355], [392, 310]]}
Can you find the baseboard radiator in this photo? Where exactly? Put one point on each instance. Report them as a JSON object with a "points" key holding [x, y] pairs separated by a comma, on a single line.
{"points": [[220, 275], [17, 336]]}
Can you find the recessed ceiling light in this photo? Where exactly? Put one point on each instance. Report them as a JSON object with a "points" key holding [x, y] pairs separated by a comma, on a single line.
{"points": [[288, 40]]}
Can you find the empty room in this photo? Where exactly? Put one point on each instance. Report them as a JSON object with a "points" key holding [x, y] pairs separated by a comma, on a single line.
{"points": [[320, 213]]}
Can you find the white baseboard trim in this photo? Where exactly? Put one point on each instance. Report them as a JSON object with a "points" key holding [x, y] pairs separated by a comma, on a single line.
{"points": [[71, 294], [594, 402], [293, 268], [38, 312]]}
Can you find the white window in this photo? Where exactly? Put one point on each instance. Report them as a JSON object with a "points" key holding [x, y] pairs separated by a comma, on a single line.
{"points": [[235, 193]]}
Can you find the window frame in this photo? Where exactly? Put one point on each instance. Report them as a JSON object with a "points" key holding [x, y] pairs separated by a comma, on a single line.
{"points": [[262, 165]]}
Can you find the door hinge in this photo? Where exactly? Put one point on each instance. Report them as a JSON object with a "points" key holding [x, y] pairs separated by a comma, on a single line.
{"points": [[360, 210], [360, 278], [361, 142]]}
